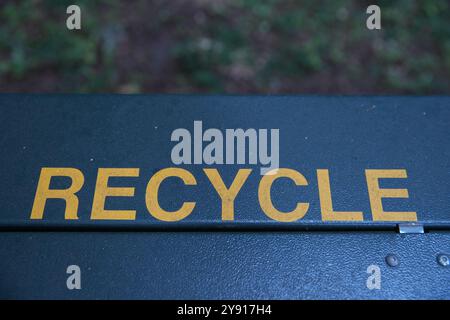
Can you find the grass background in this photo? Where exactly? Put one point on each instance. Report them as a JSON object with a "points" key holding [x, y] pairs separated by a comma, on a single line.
{"points": [[220, 46]]}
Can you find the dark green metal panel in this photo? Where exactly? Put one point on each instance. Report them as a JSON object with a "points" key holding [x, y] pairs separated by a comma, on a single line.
{"points": [[345, 135], [253, 256], [223, 265]]}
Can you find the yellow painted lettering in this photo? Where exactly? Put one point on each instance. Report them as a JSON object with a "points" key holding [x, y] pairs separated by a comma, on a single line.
{"points": [[102, 191], [227, 194], [151, 196], [326, 203], [43, 192], [376, 194], [265, 199]]}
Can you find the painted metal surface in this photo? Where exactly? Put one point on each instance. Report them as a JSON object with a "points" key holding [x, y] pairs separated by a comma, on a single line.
{"points": [[222, 265], [147, 258], [345, 135]]}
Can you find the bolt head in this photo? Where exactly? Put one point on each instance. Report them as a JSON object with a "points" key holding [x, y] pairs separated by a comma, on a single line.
{"points": [[392, 260], [443, 260]]}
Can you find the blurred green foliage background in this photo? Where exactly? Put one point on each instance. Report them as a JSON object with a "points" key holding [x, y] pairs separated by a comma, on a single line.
{"points": [[220, 46]]}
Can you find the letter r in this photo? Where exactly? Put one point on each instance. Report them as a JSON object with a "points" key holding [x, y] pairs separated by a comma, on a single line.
{"points": [[44, 192]]}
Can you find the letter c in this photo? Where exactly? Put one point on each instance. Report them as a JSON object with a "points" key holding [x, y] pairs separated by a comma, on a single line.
{"points": [[151, 196]]}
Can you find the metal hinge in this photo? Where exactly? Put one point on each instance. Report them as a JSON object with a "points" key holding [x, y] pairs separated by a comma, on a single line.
{"points": [[410, 228]]}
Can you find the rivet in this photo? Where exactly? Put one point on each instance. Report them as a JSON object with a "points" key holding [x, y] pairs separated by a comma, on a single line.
{"points": [[392, 260], [443, 260]]}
